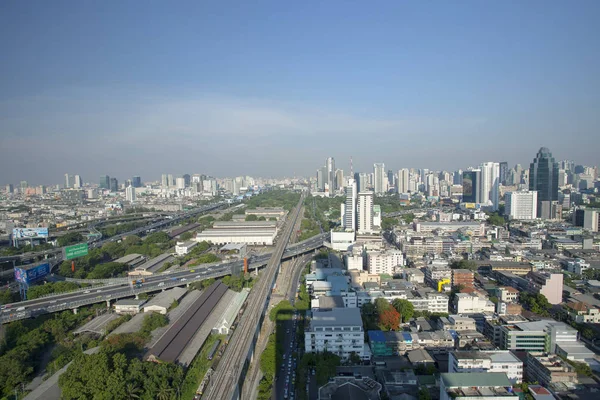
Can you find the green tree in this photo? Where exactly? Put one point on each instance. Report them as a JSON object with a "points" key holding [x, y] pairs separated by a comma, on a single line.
{"points": [[496, 220], [251, 217], [405, 308]]}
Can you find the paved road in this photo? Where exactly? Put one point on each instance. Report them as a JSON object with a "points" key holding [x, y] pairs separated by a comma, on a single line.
{"points": [[286, 375]]}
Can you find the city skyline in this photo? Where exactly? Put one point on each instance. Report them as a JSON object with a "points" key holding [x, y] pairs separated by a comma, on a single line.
{"points": [[268, 97]]}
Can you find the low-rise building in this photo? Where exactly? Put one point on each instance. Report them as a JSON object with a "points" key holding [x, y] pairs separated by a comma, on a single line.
{"points": [[128, 306], [475, 386], [508, 294], [339, 331], [342, 240], [548, 369], [182, 248], [578, 266], [582, 312], [466, 303], [457, 323], [164, 300], [487, 361], [414, 275], [463, 277], [536, 336]]}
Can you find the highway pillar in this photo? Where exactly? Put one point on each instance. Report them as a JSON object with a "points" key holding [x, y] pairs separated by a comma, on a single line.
{"points": [[107, 303], [137, 296], [75, 311]]}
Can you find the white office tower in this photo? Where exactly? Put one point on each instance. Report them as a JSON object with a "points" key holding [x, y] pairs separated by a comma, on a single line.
{"points": [[130, 193], [196, 178], [379, 178], [69, 181], [180, 183], [562, 178], [402, 185], [365, 212], [164, 182], [521, 205], [490, 184], [363, 181], [330, 179], [78, 182], [349, 207], [171, 180]]}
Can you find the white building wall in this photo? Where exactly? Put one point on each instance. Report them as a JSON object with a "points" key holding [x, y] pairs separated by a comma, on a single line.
{"points": [[365, 212], [521, 205]]}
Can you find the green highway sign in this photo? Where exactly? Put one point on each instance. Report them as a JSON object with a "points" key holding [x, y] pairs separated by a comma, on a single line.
{"points": [[75, 251]]}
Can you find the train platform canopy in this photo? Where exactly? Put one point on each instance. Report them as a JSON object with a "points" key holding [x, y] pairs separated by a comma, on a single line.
{"points": [[237, 247]]}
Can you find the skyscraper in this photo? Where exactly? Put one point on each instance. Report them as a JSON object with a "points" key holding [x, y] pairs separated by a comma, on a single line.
{"points": [[471, 183], [114, 185], [78, 183], [543, 178], [105, 182], [130, 193], [503, 172], [379, 178], [69, 180], [391, 178], [187, 179], [362, 180], [365, 212], [321, 173], [349, 206], [490, 184], [339, 178], [330, 166], [10, 188], [164, 181], [170, 180], [402, 185], [136, 182]]}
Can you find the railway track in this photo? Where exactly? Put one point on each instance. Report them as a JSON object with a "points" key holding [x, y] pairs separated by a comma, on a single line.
{"points": [[224, 381]]}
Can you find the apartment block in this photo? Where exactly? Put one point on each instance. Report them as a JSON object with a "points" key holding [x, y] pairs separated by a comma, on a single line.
{"points": [[508, 294], [548, 284], [339, 331], [466, 361], [582, 312], [384, 262], [463, 277]]}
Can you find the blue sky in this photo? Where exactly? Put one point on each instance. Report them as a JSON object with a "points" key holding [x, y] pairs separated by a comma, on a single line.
{"points": [[273, 88]]}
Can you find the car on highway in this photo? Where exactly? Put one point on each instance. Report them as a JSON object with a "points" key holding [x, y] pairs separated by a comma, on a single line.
{"points": [[98, 291], [183, 279], [20, 309], [161, 284], [86, 292]]}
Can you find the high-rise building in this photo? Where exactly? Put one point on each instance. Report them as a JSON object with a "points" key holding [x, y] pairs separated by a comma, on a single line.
{"points": [[543, 178], [10, 188], [69, 181], [339, 179], [104, 182], [349, 206], [180, 183], [164, 181], [521, 205], [562, 178], [391, 178], [130, 193], [490, 184], [379, 178], [503, 172], [136, 182], [365, 212], [402, 185], [330, 167], [471, 184], [457, 177], [171, 179], [362, 181], [321, 178], [78, 183], [187, 179], [23, 185], [114, 185]]}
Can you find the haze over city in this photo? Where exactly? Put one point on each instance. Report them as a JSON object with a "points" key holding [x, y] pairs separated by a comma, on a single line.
{"points": [[272, 89]]}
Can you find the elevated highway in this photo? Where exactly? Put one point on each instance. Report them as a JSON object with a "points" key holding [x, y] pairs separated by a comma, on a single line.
{"points": [[122, 288]]}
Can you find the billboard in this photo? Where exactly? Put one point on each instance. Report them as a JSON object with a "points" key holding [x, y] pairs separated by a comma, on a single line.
{"points": [[30, 233], [75, 251], [31, 274]]}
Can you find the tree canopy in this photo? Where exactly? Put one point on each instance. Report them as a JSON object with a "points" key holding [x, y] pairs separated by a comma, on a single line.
{"points": [[536, 303], [405, 308]]}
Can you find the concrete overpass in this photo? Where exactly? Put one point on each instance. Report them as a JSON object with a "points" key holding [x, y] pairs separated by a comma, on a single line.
{"points": [[121, 288]]}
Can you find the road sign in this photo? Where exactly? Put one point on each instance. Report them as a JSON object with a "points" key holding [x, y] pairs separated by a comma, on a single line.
{"points": [[75, 251]]}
